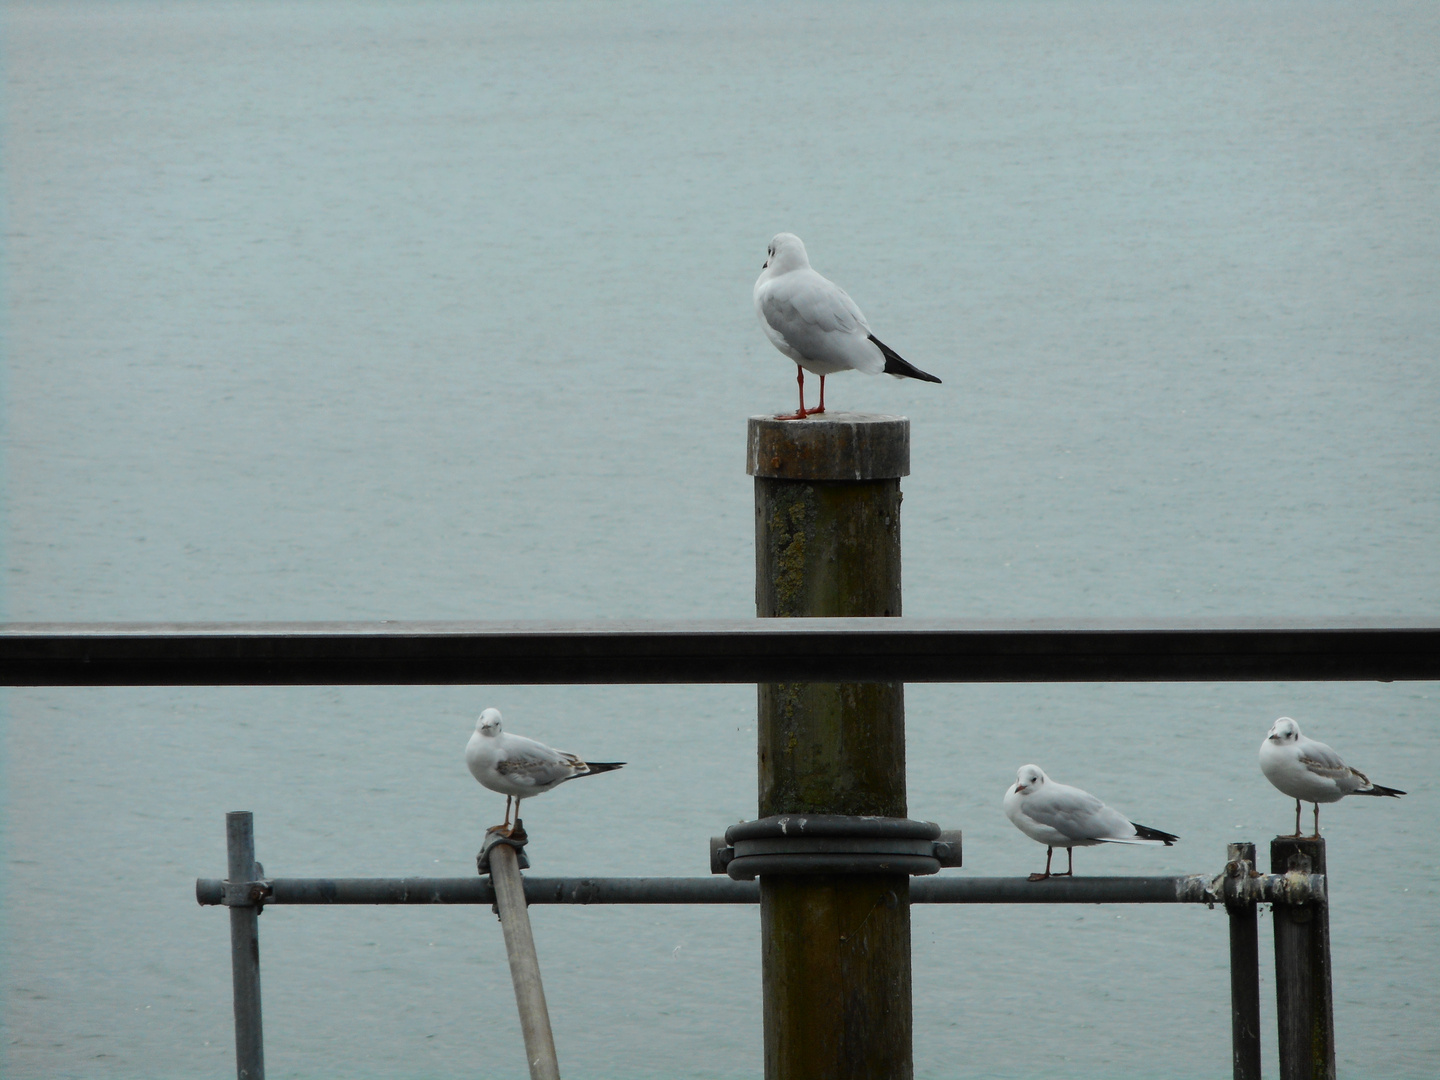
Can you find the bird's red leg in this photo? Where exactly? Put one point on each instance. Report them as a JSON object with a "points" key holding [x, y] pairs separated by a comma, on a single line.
{"points": [[1049, 851], [1317, 820], [822, 397], [1069, 864], [800, 379], [1297, 817]]}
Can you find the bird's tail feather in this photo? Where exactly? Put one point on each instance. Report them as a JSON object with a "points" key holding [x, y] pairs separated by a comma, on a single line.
{"points": [[1144, 832], [1376, 789], [897, 365], [602, 766]]}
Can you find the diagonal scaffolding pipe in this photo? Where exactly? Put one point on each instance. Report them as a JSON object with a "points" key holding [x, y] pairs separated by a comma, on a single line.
{"points": [[504, 866]]}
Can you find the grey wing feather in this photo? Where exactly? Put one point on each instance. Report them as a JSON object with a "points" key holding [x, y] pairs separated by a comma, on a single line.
{"points": [[540, 768], [815, 305], [1073, 814], [1323, 761]]}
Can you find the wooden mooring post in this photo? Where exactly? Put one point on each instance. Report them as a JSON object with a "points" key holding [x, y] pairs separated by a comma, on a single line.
{"points": [[835, 948], [1305, 1019]]}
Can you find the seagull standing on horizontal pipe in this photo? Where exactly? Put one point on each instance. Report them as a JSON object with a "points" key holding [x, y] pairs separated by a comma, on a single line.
{"points": [[1305, 769], [812, 321], [518, 767], [1061, 816]]}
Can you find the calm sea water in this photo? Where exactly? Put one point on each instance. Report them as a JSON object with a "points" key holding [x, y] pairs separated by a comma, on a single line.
{"points": [[443, 311]]}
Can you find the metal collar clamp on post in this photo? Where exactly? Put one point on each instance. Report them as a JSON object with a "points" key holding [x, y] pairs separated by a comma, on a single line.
{"points": [[516, 840], [246, 893], [1240, 884], [833, 844]]}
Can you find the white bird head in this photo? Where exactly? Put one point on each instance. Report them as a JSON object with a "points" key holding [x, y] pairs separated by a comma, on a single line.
{"points": [[489, 722], [1029, 778], [1284, 731], [786, 253]]}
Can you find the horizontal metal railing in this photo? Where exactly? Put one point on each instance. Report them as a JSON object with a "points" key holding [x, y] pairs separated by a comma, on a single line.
{"points": [[715, 651], [1189, 889]]}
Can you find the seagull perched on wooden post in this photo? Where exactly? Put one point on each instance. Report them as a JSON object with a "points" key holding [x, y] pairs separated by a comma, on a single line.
{"points": [[518, 767], [1305, 769], [812, 321], [1058, 815]]}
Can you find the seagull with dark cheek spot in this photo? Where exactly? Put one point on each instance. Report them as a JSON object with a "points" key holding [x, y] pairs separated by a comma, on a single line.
{"points": [[518, 767], [1305, 769]]}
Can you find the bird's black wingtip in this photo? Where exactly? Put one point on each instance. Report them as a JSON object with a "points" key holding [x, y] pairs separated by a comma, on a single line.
{"points": [[1144, 832], [1376, 789], [897, 365]]}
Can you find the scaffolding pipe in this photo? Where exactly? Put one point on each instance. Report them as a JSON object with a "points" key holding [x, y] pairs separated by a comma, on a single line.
{"points": [[1244, 963], [1189, 889], [524, 964], [245, 947], [1300, 897]]}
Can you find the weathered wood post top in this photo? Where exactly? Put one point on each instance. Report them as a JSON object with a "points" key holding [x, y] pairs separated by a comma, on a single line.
{"points": [[831, 446]]}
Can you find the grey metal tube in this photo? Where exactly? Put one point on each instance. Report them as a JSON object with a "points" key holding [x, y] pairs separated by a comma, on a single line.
{"points": [[1244, 965], [538, 890], [524, 964], [944, 889], [1080, 890], [245, 950]]}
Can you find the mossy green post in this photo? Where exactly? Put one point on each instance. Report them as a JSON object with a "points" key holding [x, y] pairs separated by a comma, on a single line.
{"points": [[835, 949]]}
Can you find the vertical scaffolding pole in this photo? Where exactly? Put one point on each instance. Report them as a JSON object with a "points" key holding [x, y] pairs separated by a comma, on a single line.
{"points": [[244, 947], [1305, 1027], [1244, 965], [835, 948]]}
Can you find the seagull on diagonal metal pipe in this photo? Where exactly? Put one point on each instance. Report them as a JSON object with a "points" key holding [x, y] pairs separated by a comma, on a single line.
{"points": [[518, 767], [812, 321]]}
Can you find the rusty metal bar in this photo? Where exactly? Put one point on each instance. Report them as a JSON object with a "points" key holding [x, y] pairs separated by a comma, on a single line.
{"points": [[714, 651]]}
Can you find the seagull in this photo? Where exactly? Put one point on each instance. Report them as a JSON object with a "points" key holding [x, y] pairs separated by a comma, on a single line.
{"points": [[1062, 816], [518, 767], [811, 320], [1305, 769]]}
